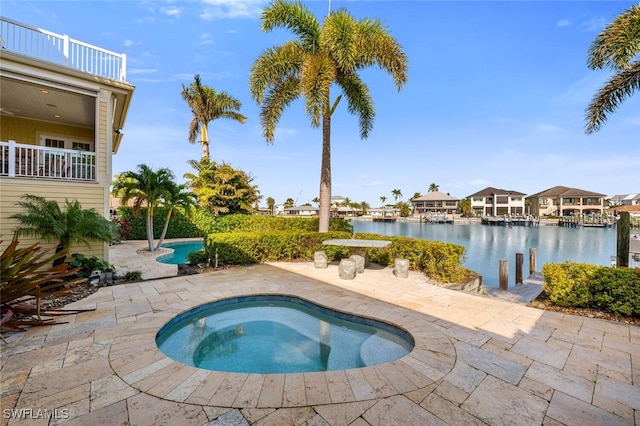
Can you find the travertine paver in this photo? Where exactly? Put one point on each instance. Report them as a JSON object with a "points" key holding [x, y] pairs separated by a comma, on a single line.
{"points": [[477, 360]]}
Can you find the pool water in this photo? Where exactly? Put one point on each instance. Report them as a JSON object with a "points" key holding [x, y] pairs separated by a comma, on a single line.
{"points": [[279, 334], [180, 251]]}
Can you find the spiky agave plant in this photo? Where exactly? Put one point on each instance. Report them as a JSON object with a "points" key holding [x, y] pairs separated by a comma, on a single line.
{"points": [[26, 276]]}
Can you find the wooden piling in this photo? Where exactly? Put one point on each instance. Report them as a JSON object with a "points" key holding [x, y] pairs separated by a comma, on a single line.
{"points": [[504, 274], [519, 263], [532, 260], [624, 232]]}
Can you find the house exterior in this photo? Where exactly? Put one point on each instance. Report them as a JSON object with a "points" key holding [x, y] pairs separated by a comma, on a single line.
{"points": [[623, 200], [565, 201], [497, 202], [435, 202], [306, 211], [63, 108]]}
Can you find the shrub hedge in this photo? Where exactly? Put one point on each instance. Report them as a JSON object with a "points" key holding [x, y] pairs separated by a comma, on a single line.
{"points": [[251, 223], [179, 226], [573, 284]]}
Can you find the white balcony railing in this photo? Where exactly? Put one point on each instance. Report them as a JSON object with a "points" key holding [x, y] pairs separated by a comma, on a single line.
{"points": [[60, 49], [32, 161]]}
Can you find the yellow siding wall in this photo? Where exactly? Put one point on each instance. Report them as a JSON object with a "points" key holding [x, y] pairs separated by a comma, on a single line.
{"points": [[101, 146], [26, 131], [89, 195]]}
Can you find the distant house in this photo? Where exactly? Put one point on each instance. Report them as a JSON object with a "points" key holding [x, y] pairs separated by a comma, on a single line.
{"points": [[497, 202], [435, 202], [337, 200], [624, 200], [564, 201], [302, 211]]}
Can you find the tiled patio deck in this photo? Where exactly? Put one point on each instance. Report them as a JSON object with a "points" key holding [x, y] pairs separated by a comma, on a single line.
{"points": [[477, 360]]}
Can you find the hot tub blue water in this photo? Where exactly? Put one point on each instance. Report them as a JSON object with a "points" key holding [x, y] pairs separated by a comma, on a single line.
{"points": [[180, 251], [278, 334]]}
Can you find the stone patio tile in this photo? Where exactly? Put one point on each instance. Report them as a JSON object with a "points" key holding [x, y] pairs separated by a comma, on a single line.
{"points": [[394, 376], [230, 418], [115, 414], [572, 411], [539, 389], [252, 415], [250, 391], [343, 414], [172, 381], [228, 390], [108, 390], [71, 411], [538, 350], [316, 389], [564, 382], [419, 395], [502, 349], [26, 360], [452, 393], [588, 363], [47, 400], [471, 336], [272, 391], [147, 377], [449, 412], [66, 378], [181, 392], [146, 410], [380, 384], [339, 388], [26, 344], [388, 411], [287, 416], [490, 363], [415, 376], [360, 387], [78, 355], [497, 402], [620, 343], [12, 382], [616, 397]]}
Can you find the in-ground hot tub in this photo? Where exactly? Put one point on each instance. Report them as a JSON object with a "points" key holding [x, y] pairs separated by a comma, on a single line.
{"points": [[270, 334]]}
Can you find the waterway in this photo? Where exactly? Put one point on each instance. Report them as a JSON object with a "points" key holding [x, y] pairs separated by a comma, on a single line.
{"points": [[487, 245]]}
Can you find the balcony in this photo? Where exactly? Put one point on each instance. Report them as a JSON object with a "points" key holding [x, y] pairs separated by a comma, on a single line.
{"points": [[59, 49], [31, 161]]}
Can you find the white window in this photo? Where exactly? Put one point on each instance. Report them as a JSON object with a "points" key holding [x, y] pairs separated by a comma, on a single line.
{"points": [[58, 141]]}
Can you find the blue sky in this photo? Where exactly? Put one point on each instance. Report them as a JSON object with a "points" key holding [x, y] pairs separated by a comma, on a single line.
{"points": [[496, 95]]}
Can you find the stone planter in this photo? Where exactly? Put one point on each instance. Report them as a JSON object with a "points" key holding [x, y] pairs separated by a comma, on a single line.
{"points": [[347, 269], [320, 260], [401, 268]]}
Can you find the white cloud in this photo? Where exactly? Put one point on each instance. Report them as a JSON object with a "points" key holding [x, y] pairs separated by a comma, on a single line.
{"points": [[547, 128], [172, 11], [214, 9], [563, 23], [143, 71], [593, 24]]}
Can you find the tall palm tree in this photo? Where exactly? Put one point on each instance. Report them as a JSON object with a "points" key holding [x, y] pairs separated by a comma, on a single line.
{"points": [[177, 197], [207, 105], [434, 187], [383, 199], [146, 187], [396, 194], [271, 203], [65, 225], [307, 67], [617, 47]]}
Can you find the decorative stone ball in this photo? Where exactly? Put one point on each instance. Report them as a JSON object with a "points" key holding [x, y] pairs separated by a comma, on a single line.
{"points": [[347, 269], [401, 268], [359, 262], [320, 260]]}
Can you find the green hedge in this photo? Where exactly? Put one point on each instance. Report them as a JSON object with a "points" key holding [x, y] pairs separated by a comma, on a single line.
{"points": [[573, 284], [179, 226], [254, 223], [438, 260], [241, 248]]}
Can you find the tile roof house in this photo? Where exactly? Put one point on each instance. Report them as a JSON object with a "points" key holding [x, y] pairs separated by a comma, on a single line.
{"points": [[64, 105], [497, 202], [435, 202], [565, 201], [624, 200]]}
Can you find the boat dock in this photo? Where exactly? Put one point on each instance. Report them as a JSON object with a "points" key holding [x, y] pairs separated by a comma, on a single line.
{"points": [[582, 222], [436, 218], [510, 221], [525, 293]]}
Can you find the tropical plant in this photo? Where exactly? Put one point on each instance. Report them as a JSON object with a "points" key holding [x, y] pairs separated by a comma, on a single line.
{"points": [[66, 225], [364, 207], [307, 67], [207, 105], [175, 198], [221, 188], [617, 48], [288, 203], [88, 265], [465, 206], [26, 276], [383, 199], [271, 204], [434, 187], [146, 187], [316, 200], [396, 194]]}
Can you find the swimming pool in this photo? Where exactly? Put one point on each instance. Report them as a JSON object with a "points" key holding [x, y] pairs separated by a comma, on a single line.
{"points": [[279, 334], [180, 251]]}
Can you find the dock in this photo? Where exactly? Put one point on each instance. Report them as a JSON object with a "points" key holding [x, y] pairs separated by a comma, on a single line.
{"points": [[525, 293], [509, 221], [384, 219], [580, 222], [436, 218]]}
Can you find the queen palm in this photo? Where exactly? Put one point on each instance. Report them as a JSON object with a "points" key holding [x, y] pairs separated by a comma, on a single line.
{"points": [[207, 105], [308, 67], [146, 187], [176, 197], [617, 47]]}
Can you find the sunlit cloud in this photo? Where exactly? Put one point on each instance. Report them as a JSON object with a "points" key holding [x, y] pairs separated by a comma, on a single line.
{"points": [[172, 11], [593, 24], [547, 128], [216, 9], [143, 71], [563, 23]]}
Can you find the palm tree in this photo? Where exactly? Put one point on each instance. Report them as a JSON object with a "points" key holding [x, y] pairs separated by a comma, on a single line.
{"points": [[288, 203], [146, 187], [434, 187], [207, 105], [383, 199], [396, 194], [65, 226], [316, 200], [617, 47], [271, 203], [307, 67], [176, 197]]}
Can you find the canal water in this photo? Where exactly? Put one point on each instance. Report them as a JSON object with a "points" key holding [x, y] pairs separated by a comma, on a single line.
{"points": [[487, 245]]}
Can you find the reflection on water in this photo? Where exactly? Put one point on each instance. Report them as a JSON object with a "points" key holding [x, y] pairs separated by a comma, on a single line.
{"points": [[486, 245]]}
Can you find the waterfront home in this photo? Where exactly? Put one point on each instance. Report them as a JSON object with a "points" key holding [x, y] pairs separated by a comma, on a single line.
{"points": [[64, 105], [564, 201], [623, 200], [497, 202], [435, 202], [306, 210]]}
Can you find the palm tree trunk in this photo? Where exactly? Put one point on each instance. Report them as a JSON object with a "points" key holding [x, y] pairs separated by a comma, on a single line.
{"points": [[60, 247], [150, 229], [325, 174], [164, 229], [204, 140]]}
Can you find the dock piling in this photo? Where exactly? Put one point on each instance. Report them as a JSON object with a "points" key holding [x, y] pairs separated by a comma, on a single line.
{"points": [[504, 274], [519, 263]]}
